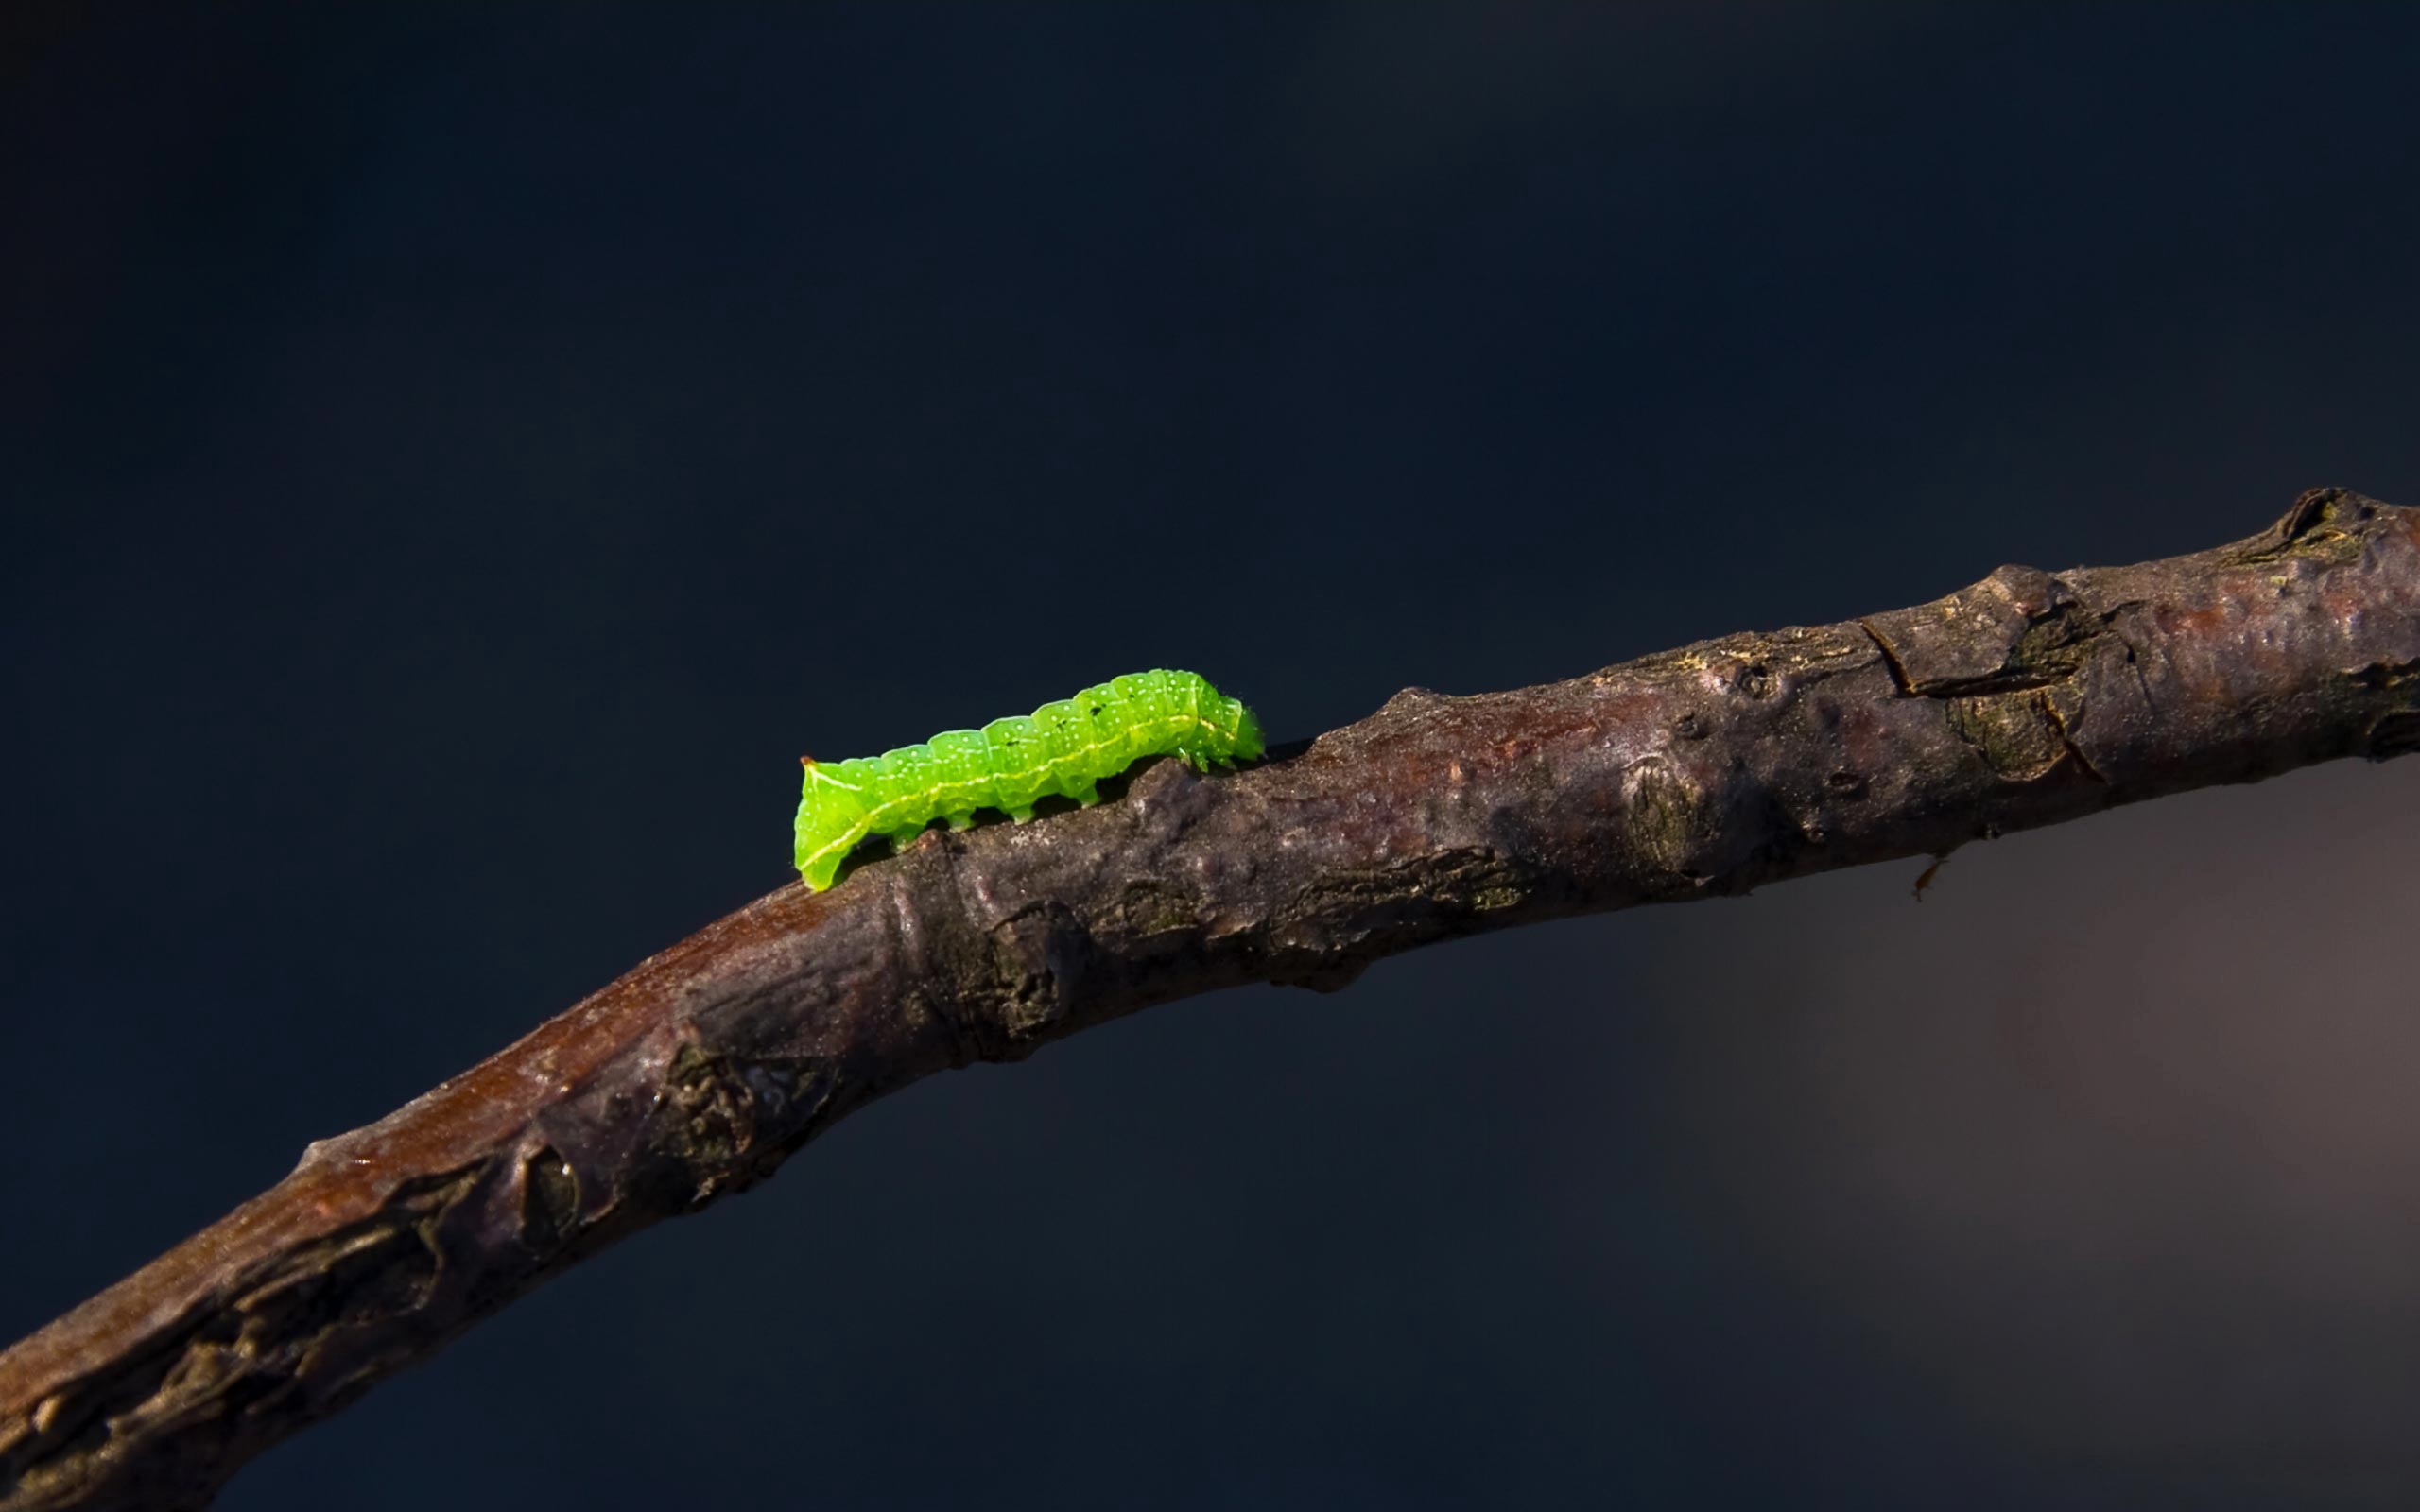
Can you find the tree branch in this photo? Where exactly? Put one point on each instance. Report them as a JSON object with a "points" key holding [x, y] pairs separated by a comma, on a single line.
{"points": [[2025, 700]]}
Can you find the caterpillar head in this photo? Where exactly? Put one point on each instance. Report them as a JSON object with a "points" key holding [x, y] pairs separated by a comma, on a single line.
{"points": [[1249, 742]]}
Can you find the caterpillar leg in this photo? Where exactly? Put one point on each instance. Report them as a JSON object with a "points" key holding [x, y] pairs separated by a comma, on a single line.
{"points": [[962, 821], [1021, 814]]}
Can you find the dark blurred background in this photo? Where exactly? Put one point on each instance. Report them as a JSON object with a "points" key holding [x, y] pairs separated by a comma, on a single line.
{"points": [[455, 458]]}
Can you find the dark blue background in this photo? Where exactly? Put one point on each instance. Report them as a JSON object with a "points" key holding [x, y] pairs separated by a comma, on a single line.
{"points": [[455, 458]]}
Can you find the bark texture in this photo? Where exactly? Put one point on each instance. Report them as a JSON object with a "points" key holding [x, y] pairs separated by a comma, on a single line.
{"points": [[2028, 698]]}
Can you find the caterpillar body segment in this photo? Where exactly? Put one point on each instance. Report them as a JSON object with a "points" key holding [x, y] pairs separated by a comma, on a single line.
{"points": [[1062, 748]]}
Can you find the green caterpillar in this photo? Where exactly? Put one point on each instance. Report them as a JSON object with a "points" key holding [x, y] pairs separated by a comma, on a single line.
{"points": [[1064, 748]]}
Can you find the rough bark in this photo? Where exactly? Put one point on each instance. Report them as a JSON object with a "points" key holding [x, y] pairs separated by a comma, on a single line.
{"points": [[2023, 700]]}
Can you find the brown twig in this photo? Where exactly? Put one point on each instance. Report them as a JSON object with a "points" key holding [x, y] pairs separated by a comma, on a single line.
{"points": [[2023, 700]]}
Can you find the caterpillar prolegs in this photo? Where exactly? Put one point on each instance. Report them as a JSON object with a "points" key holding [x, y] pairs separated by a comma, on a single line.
{"points": [[1064, 748]]}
